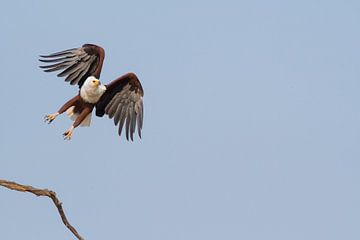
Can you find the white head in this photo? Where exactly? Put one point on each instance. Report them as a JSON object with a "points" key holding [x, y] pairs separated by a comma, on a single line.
{"points": [[91, 83], [92, 90]]}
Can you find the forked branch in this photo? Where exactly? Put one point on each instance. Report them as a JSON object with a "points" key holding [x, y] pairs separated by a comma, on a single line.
{"points": [[42, 192]]}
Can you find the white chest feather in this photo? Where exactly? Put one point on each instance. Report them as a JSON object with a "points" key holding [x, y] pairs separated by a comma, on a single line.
{"points": [[92, 94]]}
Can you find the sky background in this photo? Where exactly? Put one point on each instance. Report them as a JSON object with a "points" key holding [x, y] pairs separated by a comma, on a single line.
{"points": [[251, 128]]}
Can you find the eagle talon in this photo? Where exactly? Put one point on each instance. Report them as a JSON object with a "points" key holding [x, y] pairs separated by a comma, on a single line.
{"points": [[50, 117], [68, 134]]}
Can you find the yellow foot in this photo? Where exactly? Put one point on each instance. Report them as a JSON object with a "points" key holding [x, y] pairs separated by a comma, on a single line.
{"points": [[68, 134], [50, 117]]}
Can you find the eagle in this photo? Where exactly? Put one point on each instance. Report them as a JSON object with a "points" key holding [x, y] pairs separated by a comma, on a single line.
{"points": [[121, 99]]}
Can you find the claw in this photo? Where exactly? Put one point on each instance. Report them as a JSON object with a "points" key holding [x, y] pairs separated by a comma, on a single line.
{"points": [[50, 117], [68, 134]]}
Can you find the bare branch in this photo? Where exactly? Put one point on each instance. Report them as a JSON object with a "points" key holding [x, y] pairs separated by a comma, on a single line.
{"points": [[42, 192]]}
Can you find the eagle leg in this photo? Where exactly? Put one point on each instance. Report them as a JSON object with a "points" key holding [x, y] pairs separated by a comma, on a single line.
{"points": [[50, 117], [68, 134]]}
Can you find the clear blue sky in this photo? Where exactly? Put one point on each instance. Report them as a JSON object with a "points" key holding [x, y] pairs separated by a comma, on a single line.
{"points": [[251, 129]]}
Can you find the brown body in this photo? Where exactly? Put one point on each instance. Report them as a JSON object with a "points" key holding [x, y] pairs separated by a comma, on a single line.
{"points": [[80, 107]]}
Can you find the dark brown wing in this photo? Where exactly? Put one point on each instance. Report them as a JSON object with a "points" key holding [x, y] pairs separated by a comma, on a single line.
{"points": [[123, 101], [76, 64]]}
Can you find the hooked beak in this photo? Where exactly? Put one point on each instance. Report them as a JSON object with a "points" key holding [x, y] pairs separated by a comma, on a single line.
{"points": [[96, 82]]}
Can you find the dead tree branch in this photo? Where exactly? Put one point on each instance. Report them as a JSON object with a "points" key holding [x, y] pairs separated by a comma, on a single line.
{"points": [[42, 192]]}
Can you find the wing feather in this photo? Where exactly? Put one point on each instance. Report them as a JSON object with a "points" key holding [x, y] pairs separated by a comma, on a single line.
{"points": [[119, 111], [81, 75], [77, 63], [65, 63], [139, 116], [122, 120], [123, 101], [71, 69], [132, 116], [114, 108], [73, 76], [57, 67], [127, 124], [61, 53], [60, 59]]}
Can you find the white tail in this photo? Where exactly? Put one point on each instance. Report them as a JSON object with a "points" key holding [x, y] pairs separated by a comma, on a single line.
{"points": [[85, 123]]}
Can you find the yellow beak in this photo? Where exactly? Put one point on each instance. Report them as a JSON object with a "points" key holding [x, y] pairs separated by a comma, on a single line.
{"points": [[96, 82]]}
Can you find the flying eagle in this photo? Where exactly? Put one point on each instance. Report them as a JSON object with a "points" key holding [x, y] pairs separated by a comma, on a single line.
{"points": [[121, 99]]}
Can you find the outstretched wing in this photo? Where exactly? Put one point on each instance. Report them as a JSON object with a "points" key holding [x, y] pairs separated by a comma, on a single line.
{"points": [[122, 101], [76, 64]]}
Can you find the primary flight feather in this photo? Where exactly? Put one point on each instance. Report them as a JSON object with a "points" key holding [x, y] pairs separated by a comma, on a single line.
{"points": [[121, 99]]}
